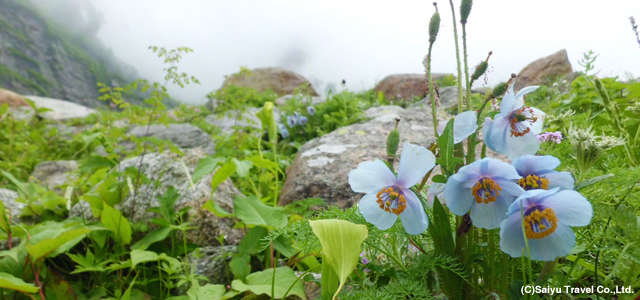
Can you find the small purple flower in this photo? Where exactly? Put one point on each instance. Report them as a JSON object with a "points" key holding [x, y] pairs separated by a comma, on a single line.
{"points": [[413, 248], [538, 172], [302, 120], [311, 110], [291, 121], [486, 187], [197, 109], [364, 259], [552, 137]]}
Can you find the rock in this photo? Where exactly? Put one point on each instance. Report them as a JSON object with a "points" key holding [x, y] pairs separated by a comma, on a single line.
{"points": [[212, 262], [11, 98], [185, 136], [60, 109], [54, 173], [280, 81], [322, 165], [8, 198], [405, 86], [313, 100], [232, 118], [311, 289], [544, 69], [167, 170]]}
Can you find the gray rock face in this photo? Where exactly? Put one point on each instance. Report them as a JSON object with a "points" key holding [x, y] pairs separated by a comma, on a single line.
{"points": [[213, 263], [543, 69], [448, 97], [8, 198], [185, 136], [322, 165], [54, 173], [60, 109], [168, 170], [232, 118], [405, 86]]}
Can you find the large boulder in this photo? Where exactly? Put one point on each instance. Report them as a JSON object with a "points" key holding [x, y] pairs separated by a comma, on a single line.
{"points": [[405, 86], [322, 165], [281, 81], [60, 109], [544, 69], [185, 136], [11, 98], [234, 118], [54, 173], [166, 170], [212, 262]]}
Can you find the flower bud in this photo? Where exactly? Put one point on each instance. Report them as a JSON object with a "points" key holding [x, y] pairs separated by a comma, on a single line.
{"points": [[393, 140], [434, 25], [499, 90], [465, 9]]}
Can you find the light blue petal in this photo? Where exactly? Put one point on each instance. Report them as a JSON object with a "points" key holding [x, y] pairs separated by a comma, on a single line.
{"points": [[413, 218], [371, 176], [521, 145], [563, 180], [486, 132], [459, 198], [525, 91], [557, 244], [374, 214], [508, 102], [464, 125], [498, 134], [511, 237], [436, 190], [536, 127], [570, 207], [528, 199], [531, 164], [510, 189], [415, 162], [489, 215], [494, 168]]}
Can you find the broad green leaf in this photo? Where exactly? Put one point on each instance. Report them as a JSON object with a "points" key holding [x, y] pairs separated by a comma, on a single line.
{"points": [[252, 242], [8, 281], [4, 222], [141, 256], [19, 185], [87, 263], [240, 265], [215, 209], [446, 146], [441, 233], [253, 212], [591, 181], [263, 163], [205, 166], [155, 236], [268, 122], [206, 292], [341, 247], [45, 247], [242, 167], [222, 174], [261, 283], [114, 221]]}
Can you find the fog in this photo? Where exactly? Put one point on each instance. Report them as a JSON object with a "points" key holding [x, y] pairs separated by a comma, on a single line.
{"points": [[358, 41]]}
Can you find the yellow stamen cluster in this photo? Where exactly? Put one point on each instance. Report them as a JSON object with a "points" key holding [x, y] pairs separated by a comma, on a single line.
{"points": [[535, 220], [531, 182], [489, 188], [392, 195], [520, 117]]}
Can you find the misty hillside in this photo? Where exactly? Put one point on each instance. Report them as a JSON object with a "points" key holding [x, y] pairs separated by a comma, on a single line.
{"points": [[45, 58]]}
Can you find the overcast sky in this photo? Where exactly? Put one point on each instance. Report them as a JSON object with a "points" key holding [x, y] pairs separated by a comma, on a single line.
{"points": [[361, 41]]}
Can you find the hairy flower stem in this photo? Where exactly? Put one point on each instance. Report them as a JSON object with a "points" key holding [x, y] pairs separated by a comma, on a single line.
{"points": [[466, 66], [431, 91], [455, 36], [492, 258]]}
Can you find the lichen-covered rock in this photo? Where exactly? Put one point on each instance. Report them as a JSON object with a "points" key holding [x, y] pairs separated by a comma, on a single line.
{"points": [[405, 86], [543, 69], [322, 165], [185, 136], [280, 81], [168, 170], [230, 119], [212, 262], [8, 198], [54, 173]]}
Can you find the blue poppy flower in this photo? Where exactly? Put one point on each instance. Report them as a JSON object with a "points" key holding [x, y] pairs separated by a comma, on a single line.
{"points": [[486, 187], [538, 173], [283, 130], [291, 121], [464, 124], [302, 120], [388, 197], [281, 127], [547, 217], [513, 131], [311, 110]]}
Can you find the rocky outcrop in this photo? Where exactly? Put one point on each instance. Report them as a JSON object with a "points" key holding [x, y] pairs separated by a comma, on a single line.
{"points": [[544, 69], [166, 170], [54, 173], [322, 165], [185, 136], [405, 86], [212, 262], [280, 81], [11, 98], [233, 118], [60, 109]]}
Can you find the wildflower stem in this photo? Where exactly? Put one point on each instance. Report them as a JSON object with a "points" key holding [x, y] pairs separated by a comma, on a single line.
{"points": [[455, 36], [492, 259], [466, 65], [431, 94]]}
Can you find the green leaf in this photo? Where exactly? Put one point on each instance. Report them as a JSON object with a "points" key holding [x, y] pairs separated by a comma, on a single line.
{"points": [[19, 185], [591, 181], [268, 122], [141, 256], [47, 246], [4, 221], [215, 209], [441, 233], [252, 243], [113, 220], [341, 247], [152, 237], [87, 263], [446, 146], [222, 174], [206, 292], [253, 212], [8, 281], [57, 288], [261, 283], [205, 166], [242, 167], [240, 265]]}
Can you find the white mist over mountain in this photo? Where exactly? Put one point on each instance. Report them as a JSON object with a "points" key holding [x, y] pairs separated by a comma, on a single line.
{"points": [[359, 41]]}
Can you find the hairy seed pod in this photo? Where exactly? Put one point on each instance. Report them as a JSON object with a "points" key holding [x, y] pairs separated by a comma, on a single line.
{"points": [[465, 9], [434, 25], [499, 90], [392, 142], [480, 69]]}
